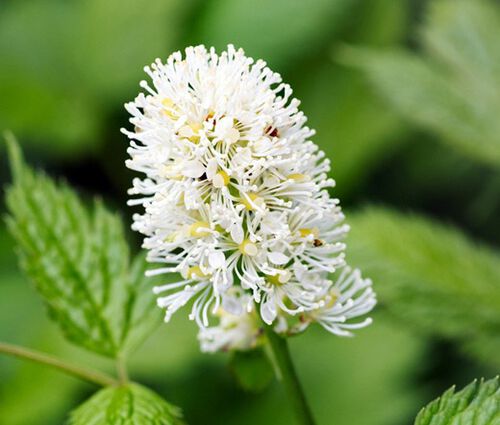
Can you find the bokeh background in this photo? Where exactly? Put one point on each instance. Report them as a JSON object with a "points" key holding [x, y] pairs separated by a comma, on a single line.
{"points": [[405, 98]]}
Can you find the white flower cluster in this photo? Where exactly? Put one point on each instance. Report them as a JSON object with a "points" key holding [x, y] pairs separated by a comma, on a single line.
{"points": [[235, 198], [237, 330]]}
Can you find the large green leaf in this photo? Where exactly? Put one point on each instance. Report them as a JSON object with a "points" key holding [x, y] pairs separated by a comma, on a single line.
{"points": [[477, 404], [452, 87], [431, 276], [79, 262], [128, 405]]}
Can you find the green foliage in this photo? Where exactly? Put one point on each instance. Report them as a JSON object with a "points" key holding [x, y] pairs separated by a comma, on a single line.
{"points": [[68, 64], [339, 375], [431, 276], [253, 26], [66, 69], [79, 262], [252, 369], [451, 88], [127, 405], [477, 404], [353, 127]]}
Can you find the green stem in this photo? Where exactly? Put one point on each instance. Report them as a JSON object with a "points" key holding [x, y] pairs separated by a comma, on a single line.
{"points": [[89, 375], [288, 376], [121, 367]]}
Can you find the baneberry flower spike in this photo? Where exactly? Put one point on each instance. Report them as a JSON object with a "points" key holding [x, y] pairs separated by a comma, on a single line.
{"points": [[235, 197]]}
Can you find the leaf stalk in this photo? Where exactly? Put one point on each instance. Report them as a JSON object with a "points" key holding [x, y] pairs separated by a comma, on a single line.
{"points": [[93, 376]]}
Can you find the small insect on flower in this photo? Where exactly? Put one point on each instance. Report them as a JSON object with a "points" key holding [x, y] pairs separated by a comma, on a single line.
{"points": [[235, 195]]}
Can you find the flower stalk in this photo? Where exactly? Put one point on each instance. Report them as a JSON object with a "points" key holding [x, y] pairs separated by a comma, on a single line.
{"points": [[85, 374], [288, 376]]}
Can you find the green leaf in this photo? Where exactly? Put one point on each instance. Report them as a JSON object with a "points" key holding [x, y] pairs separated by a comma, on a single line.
{"points": [[477, 404], [80, 263], [252, 369], [431, 276], [128, 405], [452, 87]]}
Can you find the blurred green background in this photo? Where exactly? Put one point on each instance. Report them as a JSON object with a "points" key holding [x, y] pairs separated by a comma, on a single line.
{"points": [[405, 98]]}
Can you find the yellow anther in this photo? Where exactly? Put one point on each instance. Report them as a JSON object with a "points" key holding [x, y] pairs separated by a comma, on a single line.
{"points": [[251, 200], [170, 109], [210, 115], [171, 172], [195, 128], [180, 201], [331, 300], [279, 278], [196, 229], [172, 237], [312, 231], [299, 178], [221, 179], [167, 102], [195, 272], [190, 131], [247, 247]]}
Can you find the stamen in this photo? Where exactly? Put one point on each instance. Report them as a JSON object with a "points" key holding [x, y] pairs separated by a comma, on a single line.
{"points": [[248, 248], [196, 229], [299, 178], [221, 179], [305, 232], [170, 109]]}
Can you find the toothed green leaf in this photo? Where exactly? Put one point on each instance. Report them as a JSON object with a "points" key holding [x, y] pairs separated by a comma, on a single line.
{"points": [[128, 405], [450, 88], [79, 260], [477, 404], [431, 276]]}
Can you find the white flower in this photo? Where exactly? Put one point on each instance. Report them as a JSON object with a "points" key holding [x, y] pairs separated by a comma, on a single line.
{"points": [[237, 329], [348, 298], [234, 192]]}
